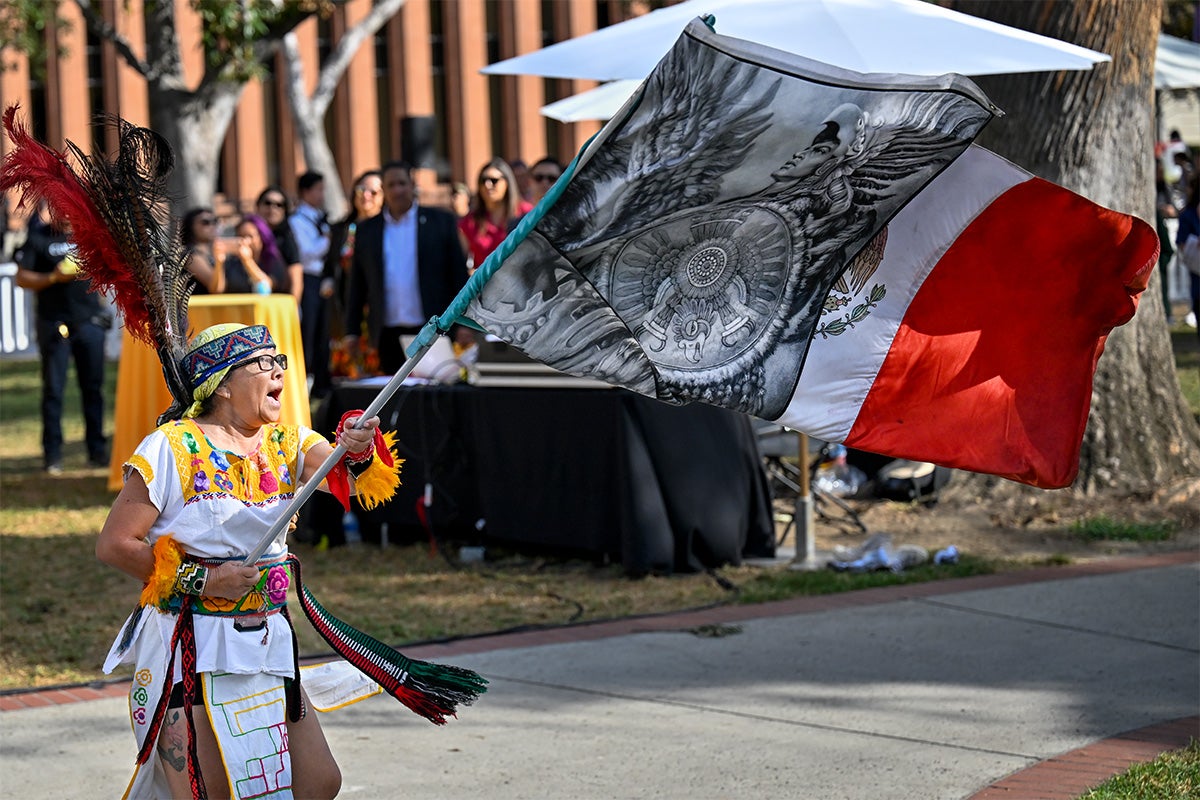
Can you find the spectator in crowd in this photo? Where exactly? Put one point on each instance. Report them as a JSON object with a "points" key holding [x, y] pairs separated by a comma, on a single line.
{"points": [[523, 182], [1164, 209], [544, 173], [460, 200], [71, 323], [272, 206], [206, 257], [1184, 169], [1189, 226], [407, 265], [310, 232], [257, 266], [367, 199], [496, 206]]}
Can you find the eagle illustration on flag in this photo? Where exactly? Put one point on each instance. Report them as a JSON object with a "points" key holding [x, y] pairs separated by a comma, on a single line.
{"points": [[755, 230]]}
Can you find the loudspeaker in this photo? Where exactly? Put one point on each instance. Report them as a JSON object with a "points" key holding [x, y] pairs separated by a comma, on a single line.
{"points": [[417, 141]]}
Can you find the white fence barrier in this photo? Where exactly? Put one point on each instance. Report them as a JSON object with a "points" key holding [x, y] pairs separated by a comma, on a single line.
{"points": [[16, 314]]}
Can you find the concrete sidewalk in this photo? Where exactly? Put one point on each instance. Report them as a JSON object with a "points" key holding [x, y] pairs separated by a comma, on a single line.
{"points": [[915, 692]]}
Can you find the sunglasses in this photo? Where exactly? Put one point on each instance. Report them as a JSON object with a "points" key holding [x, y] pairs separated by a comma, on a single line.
{"points": [[266, 363], [274, 203], [206, 221], [545, 178], [490, 181]]}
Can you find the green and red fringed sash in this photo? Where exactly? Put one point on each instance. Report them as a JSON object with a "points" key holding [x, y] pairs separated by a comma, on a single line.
{"points": [[432, 690]]}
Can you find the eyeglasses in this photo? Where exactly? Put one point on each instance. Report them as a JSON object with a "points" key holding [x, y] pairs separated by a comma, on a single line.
{"points": [[489, 180], [274, 203], [362, 190], [545, 178], [206, 221], [266, 363]]}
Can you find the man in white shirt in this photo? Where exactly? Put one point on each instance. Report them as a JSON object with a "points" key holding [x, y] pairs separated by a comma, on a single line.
{"points": [[311, 232], [408, 265]]}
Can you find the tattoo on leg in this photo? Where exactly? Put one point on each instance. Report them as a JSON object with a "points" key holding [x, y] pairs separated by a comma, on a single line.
{"points": [[172, 742]]}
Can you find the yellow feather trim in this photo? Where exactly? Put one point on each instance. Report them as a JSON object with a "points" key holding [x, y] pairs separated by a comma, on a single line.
{"points": [[379, 482], [168, 555]]}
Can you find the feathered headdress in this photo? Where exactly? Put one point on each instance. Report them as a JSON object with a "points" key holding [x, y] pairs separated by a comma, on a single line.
{"points": [[117, 211]]}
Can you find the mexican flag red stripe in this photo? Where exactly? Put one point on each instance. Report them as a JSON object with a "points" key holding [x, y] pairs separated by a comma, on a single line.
{"points": [[999, 290]]}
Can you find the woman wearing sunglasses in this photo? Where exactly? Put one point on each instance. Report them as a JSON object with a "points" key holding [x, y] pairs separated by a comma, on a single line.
{"points": [[211, 642], [206, 259], [497, 206]]}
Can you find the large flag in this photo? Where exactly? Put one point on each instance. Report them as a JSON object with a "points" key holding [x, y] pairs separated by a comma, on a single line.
{"points": [[741, 235]]}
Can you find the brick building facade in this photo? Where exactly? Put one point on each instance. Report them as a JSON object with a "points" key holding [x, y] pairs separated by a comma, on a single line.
{"points": [[414, 92]]}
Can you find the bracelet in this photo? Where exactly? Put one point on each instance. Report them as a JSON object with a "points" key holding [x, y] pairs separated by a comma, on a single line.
{"points": [[191, 578], [361, 458], [357, 468]]}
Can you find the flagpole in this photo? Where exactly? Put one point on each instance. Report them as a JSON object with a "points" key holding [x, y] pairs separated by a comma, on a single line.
{"points": [[802, 514], [428, 335]]}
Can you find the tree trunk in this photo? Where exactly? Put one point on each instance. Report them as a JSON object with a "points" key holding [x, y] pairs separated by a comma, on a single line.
{"points": [[1092, 132], [308, 116], [195, 124]]}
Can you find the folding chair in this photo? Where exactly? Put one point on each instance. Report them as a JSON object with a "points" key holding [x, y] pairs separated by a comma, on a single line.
{"points": [[780, 448]]}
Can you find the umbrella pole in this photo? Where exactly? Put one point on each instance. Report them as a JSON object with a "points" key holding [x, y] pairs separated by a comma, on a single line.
{"points": [[802, 515]]}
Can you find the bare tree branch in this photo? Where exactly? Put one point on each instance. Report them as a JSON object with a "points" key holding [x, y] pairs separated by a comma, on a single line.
{"points": [[294, 77], [104, 30], [339, 59], [287, 22]]}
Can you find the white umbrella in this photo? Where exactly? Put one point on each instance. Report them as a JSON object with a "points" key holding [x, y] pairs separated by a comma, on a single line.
{"points": [[603, 102], [1176, 67], [890, 36]]}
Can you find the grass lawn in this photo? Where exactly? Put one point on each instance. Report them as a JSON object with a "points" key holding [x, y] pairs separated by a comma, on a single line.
{"points": [[1171, 776]]}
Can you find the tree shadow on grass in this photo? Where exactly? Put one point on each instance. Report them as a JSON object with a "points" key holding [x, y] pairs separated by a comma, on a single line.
{"points": [[32, 489]]}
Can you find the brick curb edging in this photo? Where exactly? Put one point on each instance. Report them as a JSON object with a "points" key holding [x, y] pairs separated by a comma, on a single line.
{"points": [[1068, 775], [41, 698]]}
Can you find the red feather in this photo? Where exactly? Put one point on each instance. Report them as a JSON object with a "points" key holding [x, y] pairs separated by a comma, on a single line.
{"points": [[43, 174]]}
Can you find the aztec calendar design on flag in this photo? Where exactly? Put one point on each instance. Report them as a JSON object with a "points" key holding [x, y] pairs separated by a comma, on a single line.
{"points": [[705, 289]]}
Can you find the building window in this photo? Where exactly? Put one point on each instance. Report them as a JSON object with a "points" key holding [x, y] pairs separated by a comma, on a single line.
{"points": [[94, 55], [383, 93], [270, 121], [495, 82], [437, 47]]}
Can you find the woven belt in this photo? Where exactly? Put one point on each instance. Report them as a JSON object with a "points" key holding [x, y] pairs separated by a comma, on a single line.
{"points": [[267, 597]]}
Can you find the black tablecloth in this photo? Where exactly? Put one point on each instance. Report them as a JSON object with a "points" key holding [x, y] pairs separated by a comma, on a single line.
{"points": [[600, 471]]}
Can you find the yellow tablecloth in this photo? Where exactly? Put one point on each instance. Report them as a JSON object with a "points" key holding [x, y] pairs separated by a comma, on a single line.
{"points": [[142, 393]]}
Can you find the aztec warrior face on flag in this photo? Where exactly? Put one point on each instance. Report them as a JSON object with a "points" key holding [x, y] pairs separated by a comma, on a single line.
{"points": [[739, 236]]}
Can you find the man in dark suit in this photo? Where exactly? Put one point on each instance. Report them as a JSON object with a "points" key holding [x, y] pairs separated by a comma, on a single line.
{"points": [[408, 265]]}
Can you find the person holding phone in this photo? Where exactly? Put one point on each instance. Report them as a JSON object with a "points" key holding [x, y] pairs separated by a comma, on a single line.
{"points": [[257, 266]]}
